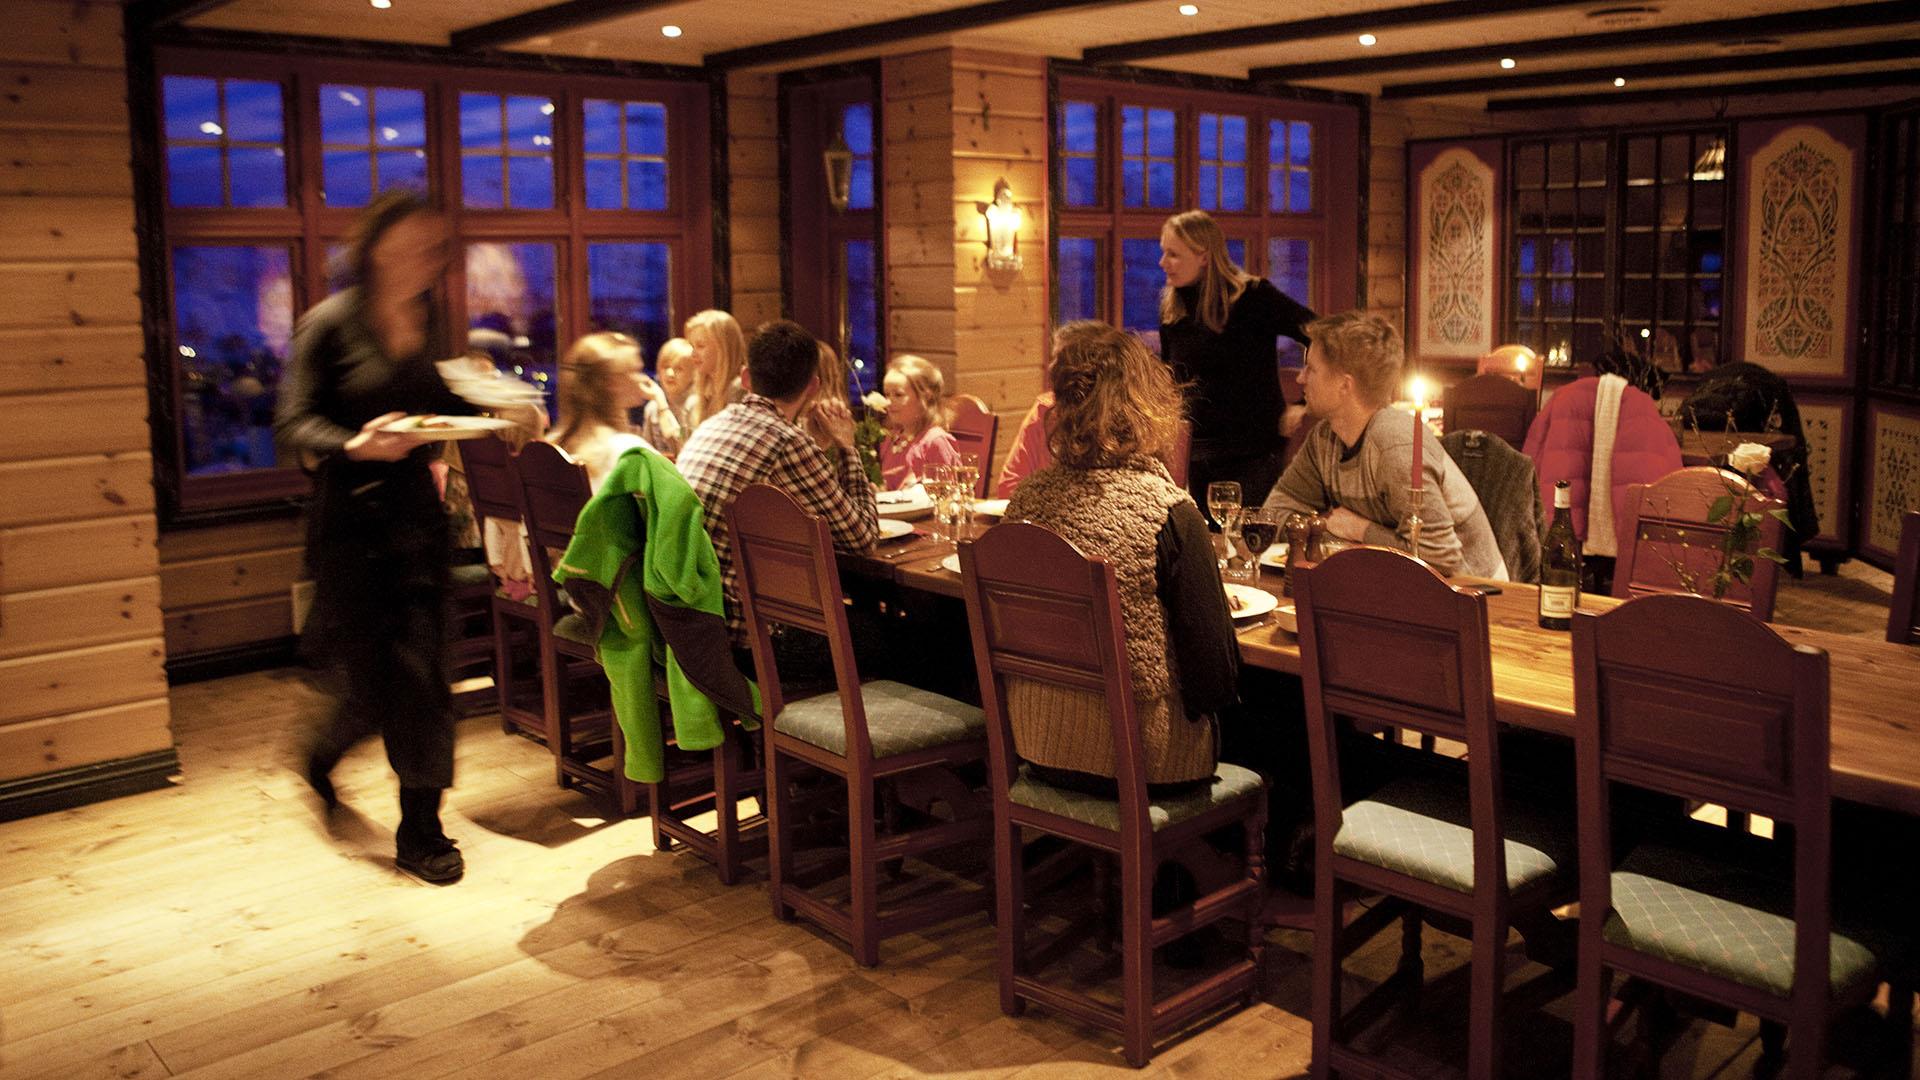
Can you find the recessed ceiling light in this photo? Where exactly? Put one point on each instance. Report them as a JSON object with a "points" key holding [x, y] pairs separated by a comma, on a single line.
{"points": [[1619, 82], [1368, 40], [670, 30], [1507, 62], [1189, 9], [381, 4]]}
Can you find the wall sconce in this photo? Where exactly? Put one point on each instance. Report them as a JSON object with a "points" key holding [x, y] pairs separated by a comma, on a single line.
{"points": [[1003, 229], [839, 163]]}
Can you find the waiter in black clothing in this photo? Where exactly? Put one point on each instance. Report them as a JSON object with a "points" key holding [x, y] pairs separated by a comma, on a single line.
{"points": [[1219, 329]]}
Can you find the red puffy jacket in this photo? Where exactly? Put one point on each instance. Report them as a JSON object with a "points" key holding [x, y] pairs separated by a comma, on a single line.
{"points": [[1561, 446]]}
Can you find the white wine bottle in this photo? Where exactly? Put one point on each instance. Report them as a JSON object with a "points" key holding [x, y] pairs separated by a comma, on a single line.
{"points": [[1560, 564]]}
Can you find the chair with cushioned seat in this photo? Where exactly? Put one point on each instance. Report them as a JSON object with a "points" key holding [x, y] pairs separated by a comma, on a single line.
{"points": [[866, 734], [1685, 697], [1386, 642], [1041, 611], [553, 490], [495, 492]]}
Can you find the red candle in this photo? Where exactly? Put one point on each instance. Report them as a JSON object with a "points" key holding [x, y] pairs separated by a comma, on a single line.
{"points": [[1419, 432]]}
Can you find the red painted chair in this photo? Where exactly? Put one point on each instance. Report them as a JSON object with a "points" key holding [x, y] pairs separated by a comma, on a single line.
{"points": [[496, 497], [1903, 615], [1670, 527], [865, 734], [1043, 612], [1491, 403], [1386, 642], [975, 429]]}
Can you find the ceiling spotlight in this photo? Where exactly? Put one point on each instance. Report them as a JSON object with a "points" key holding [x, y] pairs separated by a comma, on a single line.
{"points": [[1368, 40], [381, 4], [670, 30], [1506, 62], [1619, 82], [1189, 9]]}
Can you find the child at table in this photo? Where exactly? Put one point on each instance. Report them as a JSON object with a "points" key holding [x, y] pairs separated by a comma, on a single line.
{"points": [[664, 423], [917, 439]]}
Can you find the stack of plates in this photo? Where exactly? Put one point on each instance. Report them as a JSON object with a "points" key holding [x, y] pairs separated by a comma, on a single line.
{"points": [[905, 504], [482, 384]]}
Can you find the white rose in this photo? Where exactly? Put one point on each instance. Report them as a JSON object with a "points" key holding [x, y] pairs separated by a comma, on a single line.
{"points": [[1749, 458], [875, 402]]}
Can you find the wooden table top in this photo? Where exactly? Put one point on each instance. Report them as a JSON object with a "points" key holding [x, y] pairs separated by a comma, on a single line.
{"points": [[1875, 722]]}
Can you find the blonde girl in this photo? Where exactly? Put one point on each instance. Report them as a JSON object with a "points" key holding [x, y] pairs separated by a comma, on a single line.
{"points": [[602, 380], [719, 356], [917, 438], [664, 424]]}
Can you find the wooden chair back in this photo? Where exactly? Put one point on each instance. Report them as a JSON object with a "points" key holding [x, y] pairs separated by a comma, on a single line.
{"points": [[1903, 615], [553, 490], [1362, 605], [789, 577], [1505, 362], [1683, 696], [490, 480], [1180, 454], [1040, 610], [1669, 526], [975, 428], [1493, 403]]}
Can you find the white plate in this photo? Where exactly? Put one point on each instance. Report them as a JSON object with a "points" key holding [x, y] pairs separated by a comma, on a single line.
{"points": [[449, 427], [893, 529], [1275, 557], [991, 507], [951, 562], [1253, 602], [485, 385], [905, 504]]}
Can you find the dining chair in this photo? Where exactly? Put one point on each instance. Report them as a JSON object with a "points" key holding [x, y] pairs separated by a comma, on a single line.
{"points": [[975, 428], [1671, 528], [580, 733], [864, 733], [1903, 615], [1180, 455], [1445, 838], [1043, 613], [495, 493], [1681, 696], [1492, 403]]}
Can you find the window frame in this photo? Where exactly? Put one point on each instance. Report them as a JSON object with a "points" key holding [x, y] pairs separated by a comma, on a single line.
{"points": [[310, 227]]}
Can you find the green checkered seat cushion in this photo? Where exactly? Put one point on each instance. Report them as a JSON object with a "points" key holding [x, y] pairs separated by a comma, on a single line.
{"points": [[1420, 826], [1230, 782], [1720, 919], [900, 719], [574, 628]]}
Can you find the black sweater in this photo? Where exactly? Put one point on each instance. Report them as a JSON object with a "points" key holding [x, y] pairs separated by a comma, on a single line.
{"points": [[1232, 378]]}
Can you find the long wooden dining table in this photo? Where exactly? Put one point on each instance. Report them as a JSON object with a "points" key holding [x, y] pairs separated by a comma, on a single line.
{"points": [[1874, 697]]}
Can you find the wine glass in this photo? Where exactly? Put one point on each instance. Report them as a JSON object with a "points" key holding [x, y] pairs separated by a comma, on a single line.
{"points": [[1223, 502], [938, 483], [1259, 528]]}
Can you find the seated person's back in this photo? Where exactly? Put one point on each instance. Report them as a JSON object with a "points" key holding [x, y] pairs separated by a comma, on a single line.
{"points": [[1357, 463], [1115, 412]]}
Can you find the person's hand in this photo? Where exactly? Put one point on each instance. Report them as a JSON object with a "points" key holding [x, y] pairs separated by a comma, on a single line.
{"points": [[1291, 420], [650, 388], [375, 444], [836, 420], [1346, 524]]}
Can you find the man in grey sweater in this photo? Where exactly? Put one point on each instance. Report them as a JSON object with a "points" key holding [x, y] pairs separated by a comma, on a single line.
{"points": [[1357, 464]]}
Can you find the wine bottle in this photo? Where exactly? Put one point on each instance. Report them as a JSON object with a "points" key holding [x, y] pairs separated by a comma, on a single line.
{"points": [[1560, 564]]}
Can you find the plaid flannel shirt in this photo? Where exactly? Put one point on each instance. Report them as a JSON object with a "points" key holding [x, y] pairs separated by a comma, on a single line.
{"points": [[751, 443]]}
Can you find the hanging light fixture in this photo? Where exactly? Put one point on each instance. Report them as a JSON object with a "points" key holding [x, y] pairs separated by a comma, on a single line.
{"points": [[1712, 163], [838, 160], [1003, 228]]}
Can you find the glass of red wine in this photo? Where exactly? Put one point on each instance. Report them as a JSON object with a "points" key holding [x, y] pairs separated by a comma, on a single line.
{"points": [[1259, 528]]}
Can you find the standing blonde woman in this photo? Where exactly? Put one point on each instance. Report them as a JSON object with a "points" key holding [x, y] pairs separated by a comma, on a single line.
{"points": [[664, 423], [602, 380], [719, 356], [917, 438], [1219, 328]]}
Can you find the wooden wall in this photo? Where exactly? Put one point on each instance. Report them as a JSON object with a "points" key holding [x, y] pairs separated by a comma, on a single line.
{"points": [[917, 143], [81, 645], [229, 586], [753, 197]]}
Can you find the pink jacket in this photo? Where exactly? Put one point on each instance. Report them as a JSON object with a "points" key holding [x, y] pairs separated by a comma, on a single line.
{"points": [[1561, 446], [1030, 451]]}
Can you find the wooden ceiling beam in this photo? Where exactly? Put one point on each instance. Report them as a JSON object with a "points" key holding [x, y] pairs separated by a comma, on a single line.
{"points": [[1325, 26], [1906, 75], [1851, 16], [154, 14], [1857, 53], [569, 15], [952, 20]]}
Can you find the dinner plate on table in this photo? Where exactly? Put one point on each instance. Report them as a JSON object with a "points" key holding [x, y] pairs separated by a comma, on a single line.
{"points": [[905, 504], [1247, 602], [448, 427], [951, 562], [991, 507], [894, 529], [1275, 557]]}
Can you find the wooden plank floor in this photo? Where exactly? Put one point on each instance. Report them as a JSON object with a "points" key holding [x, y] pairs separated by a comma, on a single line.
{"points": [[215, 929]]}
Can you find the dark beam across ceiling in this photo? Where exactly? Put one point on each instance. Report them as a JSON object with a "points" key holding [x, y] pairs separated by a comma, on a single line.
{"points": [[153, 14], [1857, 53], [545, 20], [1324, 26], [1851, 16], [952, 20], [1906, 75]]}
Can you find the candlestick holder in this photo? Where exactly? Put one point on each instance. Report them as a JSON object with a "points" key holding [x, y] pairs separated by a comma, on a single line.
{"points": [[1413, 521]]}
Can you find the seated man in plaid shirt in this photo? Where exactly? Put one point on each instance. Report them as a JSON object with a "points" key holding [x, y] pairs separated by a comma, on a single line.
{"points": [[756, 441]]}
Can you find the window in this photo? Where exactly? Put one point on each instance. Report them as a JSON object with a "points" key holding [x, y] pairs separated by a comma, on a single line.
{"points": [[257, 207], [856, 128], [833, 267], [1130, 154]]}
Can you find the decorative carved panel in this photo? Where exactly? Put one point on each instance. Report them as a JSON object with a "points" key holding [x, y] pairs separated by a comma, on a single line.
{"points": [[1454, 241], [1828, 451], [1893, 476], [1799, 240]]}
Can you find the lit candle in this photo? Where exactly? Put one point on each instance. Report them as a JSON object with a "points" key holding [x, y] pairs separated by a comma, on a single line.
{"points": [[1419, 388]]}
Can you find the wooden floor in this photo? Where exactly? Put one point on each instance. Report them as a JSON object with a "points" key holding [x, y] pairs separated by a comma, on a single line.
{"points": [[215, 929]]}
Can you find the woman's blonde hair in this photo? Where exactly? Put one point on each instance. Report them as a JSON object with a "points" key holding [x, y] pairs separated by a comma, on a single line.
{"points": [[713, 384], [1221, 282], [834, 374], [1113, 399], [585, 395], [924, 381]]}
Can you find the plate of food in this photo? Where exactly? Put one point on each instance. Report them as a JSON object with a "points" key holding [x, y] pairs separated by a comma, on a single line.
{"points": [[905, 504], [1275, 557], [951, 562], [434, 426], [991, 507], [479, 382], [1247, 602], [894, 529]]}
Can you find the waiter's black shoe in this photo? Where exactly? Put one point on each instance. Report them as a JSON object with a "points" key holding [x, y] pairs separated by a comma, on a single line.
{"points": [[436, 862], [317, 769]]}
